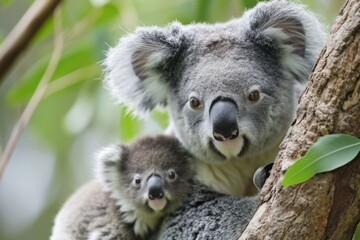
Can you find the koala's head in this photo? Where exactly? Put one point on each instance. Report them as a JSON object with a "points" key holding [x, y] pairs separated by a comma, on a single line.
{"points": [[150, 174], [230, 88]]}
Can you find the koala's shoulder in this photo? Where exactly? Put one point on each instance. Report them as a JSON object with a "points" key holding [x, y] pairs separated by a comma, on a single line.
{"points": [[89, 194], [87, 197], [87, 209]]}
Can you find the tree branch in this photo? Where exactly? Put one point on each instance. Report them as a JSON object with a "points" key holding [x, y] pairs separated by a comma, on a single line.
{"points": [[22, 34], [38, 94], [328, 205]]}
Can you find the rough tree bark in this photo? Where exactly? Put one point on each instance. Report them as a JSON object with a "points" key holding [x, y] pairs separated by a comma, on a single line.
{"points": [[328, 205]]}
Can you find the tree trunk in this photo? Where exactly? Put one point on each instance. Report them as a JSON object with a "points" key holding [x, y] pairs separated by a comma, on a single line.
{"points": [[328, 205]]}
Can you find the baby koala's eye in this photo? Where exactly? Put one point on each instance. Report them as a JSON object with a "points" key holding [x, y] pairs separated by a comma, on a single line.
{"points": [[254, 96], [194, 102], [137, 180], [171, 174]]}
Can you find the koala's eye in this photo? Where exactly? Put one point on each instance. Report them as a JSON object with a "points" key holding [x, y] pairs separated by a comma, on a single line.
{"points": [[254, 96], [137, 180], [194, 102], [171, 174]]}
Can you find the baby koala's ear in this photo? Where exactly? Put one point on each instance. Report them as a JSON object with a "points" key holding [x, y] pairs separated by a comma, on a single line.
{"points": [[108, 165], [136, 68]]}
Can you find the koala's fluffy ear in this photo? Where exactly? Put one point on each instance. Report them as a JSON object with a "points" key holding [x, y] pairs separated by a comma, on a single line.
{"points": [[107, 166], [287, 30], [136, 66]]}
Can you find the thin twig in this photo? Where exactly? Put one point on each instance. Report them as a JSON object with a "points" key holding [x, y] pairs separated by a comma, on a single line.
{"points": [[22, 34], [71, 79], [83, 26], [38, 94]]}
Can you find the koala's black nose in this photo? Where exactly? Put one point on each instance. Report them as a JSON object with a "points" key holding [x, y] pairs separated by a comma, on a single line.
{"points": [[155, 187], [223, 116]]}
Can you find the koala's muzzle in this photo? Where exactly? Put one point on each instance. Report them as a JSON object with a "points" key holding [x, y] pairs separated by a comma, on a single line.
{"points": [[155, 187], [223, 117]]}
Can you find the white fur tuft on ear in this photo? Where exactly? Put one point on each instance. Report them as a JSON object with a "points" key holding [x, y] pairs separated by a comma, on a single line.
{"points": [[134, 68], [106, 168], [295, 31]]}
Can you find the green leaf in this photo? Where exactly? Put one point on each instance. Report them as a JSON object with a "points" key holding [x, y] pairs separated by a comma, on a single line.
{"points": [[78, 56], [6, 2], [129, 125], [203, 9], [250, 3], [161, 117], [328, 153], [357, 233], [109, 13]]}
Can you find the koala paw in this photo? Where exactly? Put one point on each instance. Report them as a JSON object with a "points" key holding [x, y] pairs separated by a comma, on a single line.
{"points": [[261, 174]]}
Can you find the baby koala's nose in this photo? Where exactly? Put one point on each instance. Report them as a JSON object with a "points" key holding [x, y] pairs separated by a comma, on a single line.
{"points": [[155, 187]]}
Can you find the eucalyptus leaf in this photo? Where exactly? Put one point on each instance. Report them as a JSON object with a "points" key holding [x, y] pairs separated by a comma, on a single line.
{"points": [[78, 56], [161, 117], [357, 233], [250, 3], [6, 2], [328, 153], [108, 14], [203, 10], [129, 125]]}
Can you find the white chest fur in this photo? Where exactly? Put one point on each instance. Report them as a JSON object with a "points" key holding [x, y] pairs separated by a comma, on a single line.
{"points": [[235, 176]]}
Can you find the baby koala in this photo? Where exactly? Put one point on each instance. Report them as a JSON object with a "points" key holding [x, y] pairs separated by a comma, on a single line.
{"points": [[136, 187]]}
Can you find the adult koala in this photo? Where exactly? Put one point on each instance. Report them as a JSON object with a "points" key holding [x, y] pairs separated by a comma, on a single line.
{"points": [[231, 88]]}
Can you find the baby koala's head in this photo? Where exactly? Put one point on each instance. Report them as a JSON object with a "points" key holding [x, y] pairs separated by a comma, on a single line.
{"points": [[148, 176]]}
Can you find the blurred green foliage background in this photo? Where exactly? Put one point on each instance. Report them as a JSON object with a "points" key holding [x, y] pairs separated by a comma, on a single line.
{"points": [[77, 115]]}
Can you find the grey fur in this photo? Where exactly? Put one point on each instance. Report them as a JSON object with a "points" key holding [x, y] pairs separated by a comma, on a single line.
{"points": [[210, 215], [271, 49], [113, 206], [108, 208]]}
